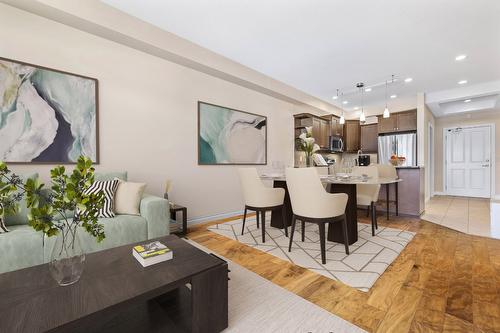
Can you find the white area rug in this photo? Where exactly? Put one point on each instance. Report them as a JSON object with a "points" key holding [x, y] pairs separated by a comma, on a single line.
{"points": [[369, 256], [258, 305]]}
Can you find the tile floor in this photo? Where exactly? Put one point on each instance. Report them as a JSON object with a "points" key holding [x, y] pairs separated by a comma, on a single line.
{"points": [[475, 216]]}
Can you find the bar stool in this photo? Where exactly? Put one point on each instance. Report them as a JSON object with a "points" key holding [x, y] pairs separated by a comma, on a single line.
{"points": [[389, 171], [367, 194], [311, 203], [260, 198]]}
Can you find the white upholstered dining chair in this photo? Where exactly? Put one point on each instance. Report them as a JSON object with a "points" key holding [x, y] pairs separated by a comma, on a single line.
{"points": [[260, 198], [367, 194], [311, 203]]}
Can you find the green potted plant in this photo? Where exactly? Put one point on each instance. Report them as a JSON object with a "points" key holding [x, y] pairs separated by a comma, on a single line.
{"points": [[11, 192], [64, 211]]}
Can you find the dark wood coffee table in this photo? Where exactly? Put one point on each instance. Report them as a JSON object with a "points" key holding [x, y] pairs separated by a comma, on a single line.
{"points": [[116, 294]]}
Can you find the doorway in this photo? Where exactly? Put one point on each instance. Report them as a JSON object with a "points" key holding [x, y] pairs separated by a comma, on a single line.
{"points": [[468, 161], [430, 159]]}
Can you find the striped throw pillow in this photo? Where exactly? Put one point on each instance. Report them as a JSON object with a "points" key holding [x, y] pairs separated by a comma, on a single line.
{"points": [[108, 187]]}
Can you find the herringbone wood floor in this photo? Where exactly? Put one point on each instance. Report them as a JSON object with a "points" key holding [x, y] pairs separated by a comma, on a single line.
{"points": [[443, 281]]}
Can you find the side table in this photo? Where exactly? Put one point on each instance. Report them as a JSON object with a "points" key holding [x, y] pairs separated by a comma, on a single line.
{"points": [[173, 215]]}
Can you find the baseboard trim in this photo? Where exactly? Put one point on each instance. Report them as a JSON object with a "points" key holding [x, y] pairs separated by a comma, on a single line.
{"points": [[204, 219], [438, 193]]}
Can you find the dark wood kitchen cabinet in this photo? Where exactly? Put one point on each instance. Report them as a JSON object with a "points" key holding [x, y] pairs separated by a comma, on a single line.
{"points": [[320, 128], [398, 122], [407, 121], [369, 138], [352, 133], [336, 127]]}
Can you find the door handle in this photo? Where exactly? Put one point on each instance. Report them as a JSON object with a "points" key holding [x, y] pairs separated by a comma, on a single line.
{"points": [[485, 165]]}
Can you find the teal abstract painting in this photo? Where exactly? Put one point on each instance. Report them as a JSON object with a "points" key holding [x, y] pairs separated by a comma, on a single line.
{"points": [[46, 115], [228, 136]]}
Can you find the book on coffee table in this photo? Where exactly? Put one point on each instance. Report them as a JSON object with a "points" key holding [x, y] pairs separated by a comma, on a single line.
{"points": [[152, 253]]}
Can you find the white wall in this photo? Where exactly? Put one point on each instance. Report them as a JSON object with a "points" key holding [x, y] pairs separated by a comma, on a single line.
{"points": [[148, 110]]}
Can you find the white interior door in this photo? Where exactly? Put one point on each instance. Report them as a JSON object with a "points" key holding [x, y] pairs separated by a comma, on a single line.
{"points": [[468, 167]]}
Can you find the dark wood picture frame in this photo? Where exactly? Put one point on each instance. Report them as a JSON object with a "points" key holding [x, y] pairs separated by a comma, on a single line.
{"points": [[224, 107], [97, 157]]}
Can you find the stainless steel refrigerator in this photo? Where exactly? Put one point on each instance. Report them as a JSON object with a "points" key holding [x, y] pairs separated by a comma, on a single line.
{"points": [[400, 145]]}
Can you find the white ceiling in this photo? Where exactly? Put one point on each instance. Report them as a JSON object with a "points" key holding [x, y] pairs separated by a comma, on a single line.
{"points": [[321, 45]]}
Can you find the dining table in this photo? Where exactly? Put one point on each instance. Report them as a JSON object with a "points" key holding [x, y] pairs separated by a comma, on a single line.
{"points": [[333, 184]]}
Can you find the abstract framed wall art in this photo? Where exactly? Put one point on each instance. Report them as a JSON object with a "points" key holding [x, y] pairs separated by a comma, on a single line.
{"points": [[228, 136], [46, 115]]}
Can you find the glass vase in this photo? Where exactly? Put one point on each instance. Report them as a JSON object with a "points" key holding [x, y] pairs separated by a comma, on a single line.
{"points": [[67, 260], [309, 161]]}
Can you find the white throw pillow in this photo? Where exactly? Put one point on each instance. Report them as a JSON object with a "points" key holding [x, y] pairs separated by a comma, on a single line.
{"points": [[128, 197]]}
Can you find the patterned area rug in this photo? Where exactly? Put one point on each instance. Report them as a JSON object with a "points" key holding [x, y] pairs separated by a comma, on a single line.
{"points": [[369, 256]]}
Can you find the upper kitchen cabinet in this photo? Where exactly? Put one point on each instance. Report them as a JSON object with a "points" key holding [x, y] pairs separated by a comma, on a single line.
{"points": [[407, 121], [336, 127], [352, 132], [398, 122], [320, 128], [369, 138], [387, 125]]}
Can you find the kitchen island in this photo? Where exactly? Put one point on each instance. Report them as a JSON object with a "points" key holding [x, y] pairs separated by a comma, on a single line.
{"points": [[410, 193]]}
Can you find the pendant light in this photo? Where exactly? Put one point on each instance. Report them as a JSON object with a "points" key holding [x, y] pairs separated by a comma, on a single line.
{"points": [[342, 119], [387, 114], [362, 117]]}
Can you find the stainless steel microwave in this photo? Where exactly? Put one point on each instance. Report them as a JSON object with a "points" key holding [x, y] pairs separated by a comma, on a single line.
{"points": [[336, 144]]}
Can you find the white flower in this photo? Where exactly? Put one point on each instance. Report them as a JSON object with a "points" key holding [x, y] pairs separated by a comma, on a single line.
{"points": [[315, 148], [309, 141], [303, 136], [309, 130]]}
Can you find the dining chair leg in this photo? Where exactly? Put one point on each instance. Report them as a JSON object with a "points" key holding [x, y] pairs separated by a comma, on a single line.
{"points": [[374, 214], [367, 211], [244, 220], [285, 225], [322, 242], [258, 217], [346, 235], [263, 226], [303, 230], [373, 222], [294, 219]]}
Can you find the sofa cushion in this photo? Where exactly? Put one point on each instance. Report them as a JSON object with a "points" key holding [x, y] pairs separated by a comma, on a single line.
{"points": [[108, 190], [22, 215], [21, 247], [128, 197], [102, 176], [119, 230]]}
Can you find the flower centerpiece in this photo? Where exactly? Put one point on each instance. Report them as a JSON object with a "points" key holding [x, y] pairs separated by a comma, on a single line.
{"points": [[11, 193], [62, 212], [305, 143]]}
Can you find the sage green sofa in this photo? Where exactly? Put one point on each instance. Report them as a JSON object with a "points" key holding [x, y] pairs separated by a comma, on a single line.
{"points": [[24, 247]]}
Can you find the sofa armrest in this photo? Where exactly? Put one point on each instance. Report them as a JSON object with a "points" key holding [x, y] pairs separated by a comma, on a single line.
{"points": [[156, 211]]}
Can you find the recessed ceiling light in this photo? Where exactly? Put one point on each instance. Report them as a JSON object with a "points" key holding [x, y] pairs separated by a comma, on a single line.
{"points": [[408, 79], [368, 89], [460, 57], [394, 96], [462, 82], [345, 102], [335, 97], [356, 108], [467, 101]]}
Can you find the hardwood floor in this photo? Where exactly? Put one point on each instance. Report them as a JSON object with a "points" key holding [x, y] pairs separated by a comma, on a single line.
{"points": [[443, 281]]}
